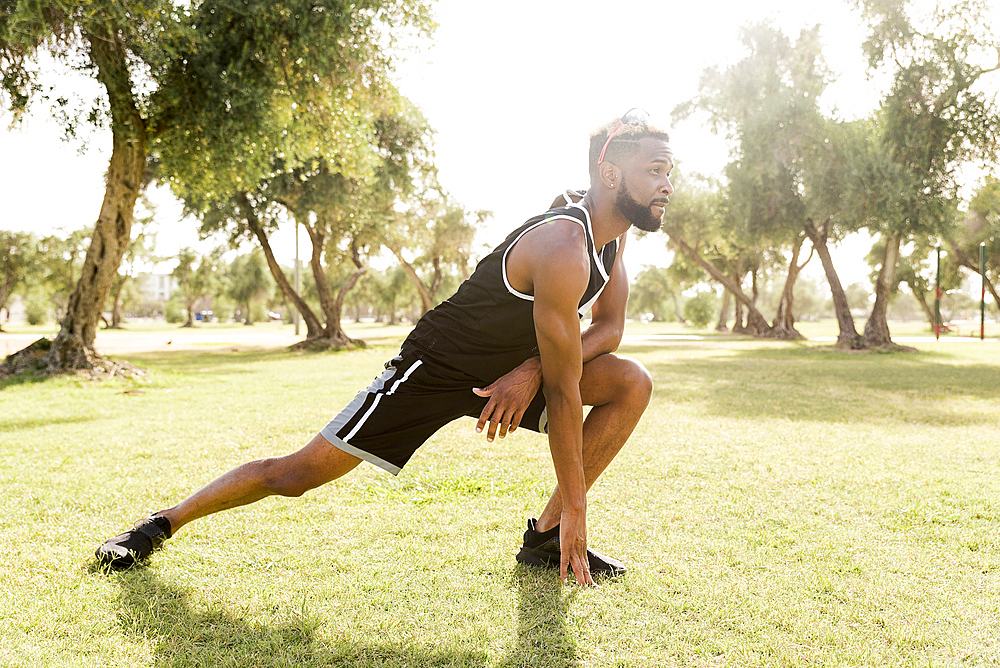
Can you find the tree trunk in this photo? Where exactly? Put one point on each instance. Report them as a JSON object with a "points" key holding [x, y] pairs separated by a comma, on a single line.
{"points": [[848, 338], [73, 347], [877, 327], [333, 335], [189, 307], [921, 298], [785, 318], [723, 313], [314, 329], [677, 307], [756, 324], [116, 307], [333, 328], [739, 327], [425, 294]]}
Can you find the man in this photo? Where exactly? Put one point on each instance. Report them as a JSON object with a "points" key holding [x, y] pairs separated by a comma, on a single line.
{"points": [[507, 347]]}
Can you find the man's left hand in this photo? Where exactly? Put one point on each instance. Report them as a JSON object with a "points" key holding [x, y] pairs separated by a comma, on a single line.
{"points": [[509, 396]]}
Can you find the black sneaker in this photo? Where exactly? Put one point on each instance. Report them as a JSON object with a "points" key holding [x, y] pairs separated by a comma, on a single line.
{"points": [[127, 549], [542, 549]]}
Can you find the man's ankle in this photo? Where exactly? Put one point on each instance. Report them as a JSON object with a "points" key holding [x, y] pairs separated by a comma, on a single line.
{"points": [[542, 528]]}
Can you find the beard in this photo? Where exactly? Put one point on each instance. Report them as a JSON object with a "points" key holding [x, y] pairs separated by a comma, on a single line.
{"points": [[635, 213]]}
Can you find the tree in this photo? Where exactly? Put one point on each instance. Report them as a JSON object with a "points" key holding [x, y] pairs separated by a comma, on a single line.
{"points": [[437, 232], [210, 83], [62, 257], [934, 119], [980, 225], [767, 104], [700, 309], [697, 228], [392, 289], [249, 282], [17, 260], [916, 268], [196, 278], [341, 200], [653, 292]]}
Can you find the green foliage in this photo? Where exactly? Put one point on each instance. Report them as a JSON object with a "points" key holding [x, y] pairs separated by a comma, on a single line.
{"points": [[197, 276], [701, 309], [37, 310], [18, 263], [174, 311], [211, 96], [653, 292], [935, 117], [249, 282], [433, 237], [858, 297], [980, 225]]}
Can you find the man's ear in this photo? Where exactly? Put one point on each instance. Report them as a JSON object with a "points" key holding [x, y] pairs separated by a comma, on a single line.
{"points": [[609, 175]]}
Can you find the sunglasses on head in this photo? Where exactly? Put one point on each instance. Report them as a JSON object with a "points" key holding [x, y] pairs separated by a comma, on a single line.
{"points": [[631, 116]]}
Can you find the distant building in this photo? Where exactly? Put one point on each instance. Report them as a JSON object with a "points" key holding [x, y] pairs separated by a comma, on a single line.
{"points": [[157, 287]]}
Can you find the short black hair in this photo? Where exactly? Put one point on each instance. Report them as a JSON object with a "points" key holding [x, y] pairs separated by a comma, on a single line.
{"points": [[624, 144]]}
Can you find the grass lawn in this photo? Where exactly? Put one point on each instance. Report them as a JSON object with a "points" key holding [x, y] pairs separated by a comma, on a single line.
{"points": [[780, 504]]}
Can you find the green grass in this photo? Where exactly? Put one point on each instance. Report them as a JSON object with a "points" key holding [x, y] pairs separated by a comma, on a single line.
{"points": [[780, 504]]}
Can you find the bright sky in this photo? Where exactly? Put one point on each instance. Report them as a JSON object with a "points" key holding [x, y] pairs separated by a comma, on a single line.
{"points": [[514, 90]]}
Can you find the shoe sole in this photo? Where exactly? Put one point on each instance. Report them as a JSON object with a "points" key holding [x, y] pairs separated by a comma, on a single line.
{"points": [[530, 557]]}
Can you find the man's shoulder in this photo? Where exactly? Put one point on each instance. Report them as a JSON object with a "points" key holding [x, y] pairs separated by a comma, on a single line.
{"points": [[559, 247]]}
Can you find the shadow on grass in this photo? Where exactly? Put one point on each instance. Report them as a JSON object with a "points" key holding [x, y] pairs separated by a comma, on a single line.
{"points": [[18, 424], [160, 614], [179, 634], [816, 384], [21, 379], [543, 635]]}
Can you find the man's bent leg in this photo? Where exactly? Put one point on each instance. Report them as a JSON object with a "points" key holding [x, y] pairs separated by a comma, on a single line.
{"points": [[619, 389], [315, 464]]}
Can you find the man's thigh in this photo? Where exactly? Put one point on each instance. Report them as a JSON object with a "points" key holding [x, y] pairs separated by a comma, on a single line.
{"points": [[398, 412]]}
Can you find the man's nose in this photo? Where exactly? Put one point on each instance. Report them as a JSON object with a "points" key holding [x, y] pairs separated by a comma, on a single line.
{"points": [[667, 188]]}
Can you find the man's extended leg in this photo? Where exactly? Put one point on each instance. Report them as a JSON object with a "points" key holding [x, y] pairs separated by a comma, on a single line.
{"points": [[317, 463], [618, 388]]}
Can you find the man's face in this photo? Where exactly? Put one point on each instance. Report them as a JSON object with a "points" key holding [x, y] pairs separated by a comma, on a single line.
{"points": [[645, 185]]}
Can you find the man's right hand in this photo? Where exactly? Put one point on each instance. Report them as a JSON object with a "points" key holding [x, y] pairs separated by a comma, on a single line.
{"points": [[510, 396], [573, 546]]}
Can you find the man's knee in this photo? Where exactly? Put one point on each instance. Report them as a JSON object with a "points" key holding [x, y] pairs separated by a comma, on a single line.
{"points": [[280, 476], [636, 379], [614, 378]]}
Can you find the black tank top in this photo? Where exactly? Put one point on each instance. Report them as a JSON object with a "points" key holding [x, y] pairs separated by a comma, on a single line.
{"points": [[486, 328]]}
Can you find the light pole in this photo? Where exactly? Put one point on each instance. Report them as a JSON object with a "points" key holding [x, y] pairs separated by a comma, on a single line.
{"points": [[937, 297], [982, 297], [298, 288]]}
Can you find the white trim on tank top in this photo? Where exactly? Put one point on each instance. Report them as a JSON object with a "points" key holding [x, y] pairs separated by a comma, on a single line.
{"points": [[588, 229]]}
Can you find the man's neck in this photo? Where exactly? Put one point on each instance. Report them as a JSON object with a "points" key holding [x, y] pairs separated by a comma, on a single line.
{"points": [[607, 222]]}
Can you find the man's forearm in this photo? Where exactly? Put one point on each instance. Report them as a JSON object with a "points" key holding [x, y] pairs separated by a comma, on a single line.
{"points": [[599, 339], [565, 413]]}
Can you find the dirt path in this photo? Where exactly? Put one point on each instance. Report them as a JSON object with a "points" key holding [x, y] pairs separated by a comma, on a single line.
{"points": [[122, 342]]}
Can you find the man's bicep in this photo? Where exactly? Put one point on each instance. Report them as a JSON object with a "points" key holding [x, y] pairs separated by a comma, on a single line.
{"points": [[558, 289]]}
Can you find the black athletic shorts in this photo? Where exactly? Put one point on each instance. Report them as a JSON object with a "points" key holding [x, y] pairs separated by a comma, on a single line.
{"points": [[402, 408]]}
